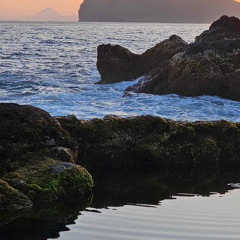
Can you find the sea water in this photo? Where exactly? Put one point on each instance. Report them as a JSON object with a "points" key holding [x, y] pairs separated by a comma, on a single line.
{"points": [[53, 66]]}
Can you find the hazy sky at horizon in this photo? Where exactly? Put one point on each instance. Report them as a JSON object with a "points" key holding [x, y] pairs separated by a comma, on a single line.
{"points": [[10, 9], [20, 8]]}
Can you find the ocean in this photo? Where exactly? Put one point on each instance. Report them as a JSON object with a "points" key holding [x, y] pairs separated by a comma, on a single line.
{"points": [[53, 66]]}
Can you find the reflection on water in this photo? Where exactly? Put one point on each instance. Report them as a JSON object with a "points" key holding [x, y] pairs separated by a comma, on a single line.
{"points": [[42, 223], [139, 208]]}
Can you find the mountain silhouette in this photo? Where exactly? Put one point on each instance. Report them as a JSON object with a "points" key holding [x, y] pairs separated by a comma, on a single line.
{"points": [[50, 14], [170, 11]]}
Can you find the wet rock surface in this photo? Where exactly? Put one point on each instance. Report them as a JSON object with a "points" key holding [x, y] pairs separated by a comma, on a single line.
{"points": [[116, 64]]}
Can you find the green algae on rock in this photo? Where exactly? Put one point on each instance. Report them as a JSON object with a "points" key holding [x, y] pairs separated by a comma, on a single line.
{"points": [[11, 199], [37, 158]]}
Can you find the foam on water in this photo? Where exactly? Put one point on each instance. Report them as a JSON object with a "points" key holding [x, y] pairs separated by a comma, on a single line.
{"points": [[53, 66]]}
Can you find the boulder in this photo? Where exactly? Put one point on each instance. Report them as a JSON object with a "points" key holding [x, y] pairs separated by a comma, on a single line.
{"points": [[37, 159], [209, 66], [116, 64]]}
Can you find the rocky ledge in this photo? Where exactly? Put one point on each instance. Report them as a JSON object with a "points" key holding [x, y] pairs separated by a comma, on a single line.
{"points": [[40, 155], [209, 66], [37, 159], [139, 144]]}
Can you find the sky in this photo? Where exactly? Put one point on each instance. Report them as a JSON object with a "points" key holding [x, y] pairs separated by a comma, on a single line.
{"points": [[20, 8], [13, 9]]}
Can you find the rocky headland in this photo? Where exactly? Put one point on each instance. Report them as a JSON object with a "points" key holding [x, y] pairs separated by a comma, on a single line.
{"points": [[44, 158], [209, 66], [163, 11]]}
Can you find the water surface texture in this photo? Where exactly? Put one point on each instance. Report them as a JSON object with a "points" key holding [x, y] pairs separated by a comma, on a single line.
{"points": [[53, 66], [184, 217]]}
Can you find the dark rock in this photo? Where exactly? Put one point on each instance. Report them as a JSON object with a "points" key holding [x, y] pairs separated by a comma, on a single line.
{"points": [[210, 66], [140, 144], [26, 128], [224, 28], [36, 159], [116, 64]]}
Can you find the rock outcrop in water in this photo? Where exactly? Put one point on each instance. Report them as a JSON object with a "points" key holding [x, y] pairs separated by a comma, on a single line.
{"points": [[39, 153], [209, 66], [116, 64], [165, 11], [37, 159]]}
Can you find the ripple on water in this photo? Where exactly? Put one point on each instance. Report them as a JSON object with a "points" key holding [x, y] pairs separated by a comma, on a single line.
{"points": [[202, 218]]}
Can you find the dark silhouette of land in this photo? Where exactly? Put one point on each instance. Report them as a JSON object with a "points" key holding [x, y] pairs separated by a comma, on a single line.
{"points": [[168, 11]]}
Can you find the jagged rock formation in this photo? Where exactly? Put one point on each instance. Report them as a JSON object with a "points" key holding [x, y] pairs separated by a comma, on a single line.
{"points": [[166, 11], [209, 66], [36, 159], [116, 64]]}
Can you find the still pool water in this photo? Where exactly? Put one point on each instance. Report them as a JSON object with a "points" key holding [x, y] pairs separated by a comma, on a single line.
{"points": [[213, 216], [186, 218]]}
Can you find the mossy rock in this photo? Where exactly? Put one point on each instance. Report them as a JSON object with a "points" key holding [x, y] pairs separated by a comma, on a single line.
{"points": [[37, 157], [45, 179], [167, 146], [11, 199]]}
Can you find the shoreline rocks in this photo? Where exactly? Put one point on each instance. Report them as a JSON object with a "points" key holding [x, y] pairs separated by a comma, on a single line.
{"points": [[209, 66], [162, 146], [150, 148], [37, 159]]}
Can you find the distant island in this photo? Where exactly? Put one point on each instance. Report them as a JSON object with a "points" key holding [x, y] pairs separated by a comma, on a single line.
{"points": [[165, 11], [50, 14]]}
